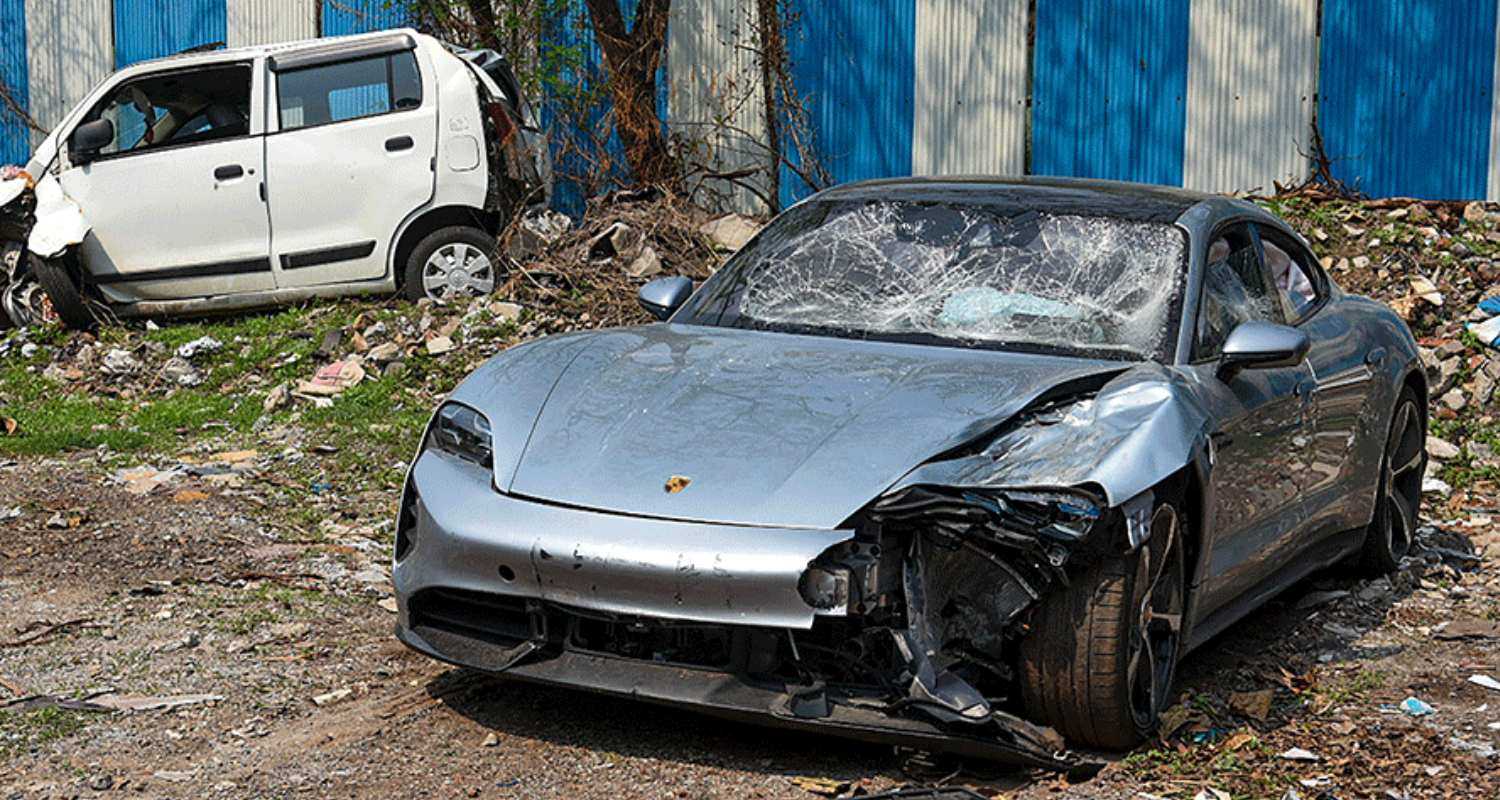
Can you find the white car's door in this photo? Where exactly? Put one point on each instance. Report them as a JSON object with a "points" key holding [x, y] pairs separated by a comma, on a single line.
{"points": [[350, 157], [174, 201]]}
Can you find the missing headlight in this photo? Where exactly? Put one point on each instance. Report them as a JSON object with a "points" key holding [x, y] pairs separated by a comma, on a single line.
{"points": [[461, 431]]}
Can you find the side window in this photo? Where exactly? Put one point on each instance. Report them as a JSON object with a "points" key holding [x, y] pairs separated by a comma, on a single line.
{"points": [[1235, 289], [179, 107], [1291, 269], [348, 90]]}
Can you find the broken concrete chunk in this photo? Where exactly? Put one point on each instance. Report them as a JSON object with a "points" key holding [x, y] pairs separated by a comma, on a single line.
{"points": [[119, 363], [439, 345], [1425, 289], [279, 396], [203, 344], [618, 239], [385, 353], [177, 370], [645, 265], [1474, 212], [730, 232], [506, 312], [331, 697]]}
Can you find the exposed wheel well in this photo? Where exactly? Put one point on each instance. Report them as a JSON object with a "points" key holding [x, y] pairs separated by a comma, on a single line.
{"points": [[432, 220], [1416, 379]]}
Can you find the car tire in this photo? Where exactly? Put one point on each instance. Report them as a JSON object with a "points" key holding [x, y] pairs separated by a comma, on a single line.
{"points": [[455, 240], [60, 281], [1398, 495], [1080, 663]]}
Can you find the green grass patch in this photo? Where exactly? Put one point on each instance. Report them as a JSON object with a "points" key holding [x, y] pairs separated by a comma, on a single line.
{"points": [[24, 731]]}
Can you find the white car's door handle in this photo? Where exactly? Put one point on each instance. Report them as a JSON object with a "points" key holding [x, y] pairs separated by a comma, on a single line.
{"points": [[229, 172], [396, 144]]}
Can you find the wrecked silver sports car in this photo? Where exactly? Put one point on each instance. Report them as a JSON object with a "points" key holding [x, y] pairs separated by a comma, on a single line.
{"points": [[955, 463]]}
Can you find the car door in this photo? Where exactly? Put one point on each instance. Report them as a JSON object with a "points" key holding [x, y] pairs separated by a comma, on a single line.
{"points": [[1259, 445], [350, 158], [174, 200], [1343, 369]]}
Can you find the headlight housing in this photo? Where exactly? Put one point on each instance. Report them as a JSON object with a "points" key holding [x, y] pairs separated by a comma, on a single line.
{"points": [[461, 431]]}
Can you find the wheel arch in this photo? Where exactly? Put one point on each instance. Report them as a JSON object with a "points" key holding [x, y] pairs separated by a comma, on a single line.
{"points": [[433, 219]]}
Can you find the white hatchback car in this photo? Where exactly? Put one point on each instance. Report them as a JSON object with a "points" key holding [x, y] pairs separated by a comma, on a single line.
{"points": [[249, 177]]}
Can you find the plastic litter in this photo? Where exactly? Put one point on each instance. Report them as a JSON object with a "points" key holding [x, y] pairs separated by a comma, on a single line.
{"points": [[1485, 681], [1414, 707]]}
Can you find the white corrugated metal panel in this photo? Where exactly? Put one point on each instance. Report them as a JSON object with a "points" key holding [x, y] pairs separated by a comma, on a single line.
{"points": [[271, 21], [69, 49], [1252, 71], [714, 100], [1494, 187], [970, 114]]}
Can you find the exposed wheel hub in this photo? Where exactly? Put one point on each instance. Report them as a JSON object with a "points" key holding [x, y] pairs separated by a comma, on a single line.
{"points": [[457, 270]]}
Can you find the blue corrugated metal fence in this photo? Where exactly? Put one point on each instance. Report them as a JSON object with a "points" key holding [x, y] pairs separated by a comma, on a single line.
{"points": [[1406, 95], [14, 134], [854, 64], [146, 29], [1110, 89]]}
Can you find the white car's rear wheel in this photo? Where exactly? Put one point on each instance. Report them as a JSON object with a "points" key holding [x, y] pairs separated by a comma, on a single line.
{"points": [[452, 263]]}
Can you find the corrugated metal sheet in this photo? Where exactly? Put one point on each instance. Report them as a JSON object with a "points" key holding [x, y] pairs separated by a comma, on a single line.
{"points": [[853, 61], [271, 21], [14, 137], [970, 98], [343, 17], [1109, 89], [1252, 75], [1406, 93], [146, 29], [715, 93], [1494, 193], [70, 49]]}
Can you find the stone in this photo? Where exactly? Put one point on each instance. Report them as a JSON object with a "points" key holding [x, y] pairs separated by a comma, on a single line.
{"points": [[730, 232], [1474, 212], [1441, 449], [385, 353], [180, 371], [506, 312], [119, 363], [439, 345], [1454, 399]]}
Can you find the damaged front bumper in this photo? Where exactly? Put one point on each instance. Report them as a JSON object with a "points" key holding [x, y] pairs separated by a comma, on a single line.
{"points": [[791, 627]]}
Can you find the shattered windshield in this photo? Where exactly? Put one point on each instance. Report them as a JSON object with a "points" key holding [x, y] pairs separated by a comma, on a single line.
{"points": [[956, 273]]}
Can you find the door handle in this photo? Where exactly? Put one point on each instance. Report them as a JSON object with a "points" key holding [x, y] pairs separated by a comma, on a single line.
{"points": [[229, 172], [396, 144]]}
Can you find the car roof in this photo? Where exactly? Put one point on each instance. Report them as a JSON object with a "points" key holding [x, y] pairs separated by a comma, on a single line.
{"points": [[1129, 201], [252, 51]]}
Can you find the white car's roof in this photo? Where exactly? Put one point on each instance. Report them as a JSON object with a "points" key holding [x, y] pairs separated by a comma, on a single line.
{"points": [[258, 50]]}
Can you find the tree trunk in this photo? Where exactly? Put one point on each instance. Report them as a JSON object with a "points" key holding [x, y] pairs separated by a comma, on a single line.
{"points": [[632, 60]]}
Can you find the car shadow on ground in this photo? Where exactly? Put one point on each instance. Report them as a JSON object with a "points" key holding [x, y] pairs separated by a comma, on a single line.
{"points": [[1317, 622]]}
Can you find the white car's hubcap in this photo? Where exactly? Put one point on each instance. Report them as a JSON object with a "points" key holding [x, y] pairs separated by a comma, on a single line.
{"points": [[457, 269]]}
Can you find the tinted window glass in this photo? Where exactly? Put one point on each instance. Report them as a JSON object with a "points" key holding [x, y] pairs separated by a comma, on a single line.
{"points": [[348, 90], [177, 108], [1235, 289]]}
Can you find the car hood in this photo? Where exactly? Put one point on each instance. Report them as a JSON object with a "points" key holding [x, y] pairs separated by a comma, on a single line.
{"points": [[761, 428]]}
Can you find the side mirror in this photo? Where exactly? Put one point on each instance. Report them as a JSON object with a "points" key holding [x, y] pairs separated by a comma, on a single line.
{"points": [[89, 138], [1258, 345], [663, 296]]}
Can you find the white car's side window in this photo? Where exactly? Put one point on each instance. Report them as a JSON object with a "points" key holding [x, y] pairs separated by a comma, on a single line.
{"points": [[175, 108], [348, 90]]}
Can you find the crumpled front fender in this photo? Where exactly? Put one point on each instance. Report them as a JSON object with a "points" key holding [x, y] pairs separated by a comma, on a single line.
{"points": [[1136, 431]]}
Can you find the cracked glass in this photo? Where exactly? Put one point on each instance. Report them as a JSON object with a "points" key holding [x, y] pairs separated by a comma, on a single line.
{"points": [[956, 274]]}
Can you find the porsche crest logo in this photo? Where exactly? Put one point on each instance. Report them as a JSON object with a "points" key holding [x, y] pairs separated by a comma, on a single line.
{"points": [[677, 483]]}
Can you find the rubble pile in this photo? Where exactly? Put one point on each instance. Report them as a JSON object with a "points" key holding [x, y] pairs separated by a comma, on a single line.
{"points": [[587, 277], [1437, 265]]}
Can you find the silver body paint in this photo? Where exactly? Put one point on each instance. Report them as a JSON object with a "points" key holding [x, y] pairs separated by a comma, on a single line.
{"points": [[785, 437]]}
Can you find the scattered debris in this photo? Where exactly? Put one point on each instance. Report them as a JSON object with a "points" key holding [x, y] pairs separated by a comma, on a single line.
{"points": [[1469, 628], [439, 345], [1299, 754], [1255, 705], [203, 344], [1485, 681], [333, 379], [140, 702], [334, 696], [1414, 707]]}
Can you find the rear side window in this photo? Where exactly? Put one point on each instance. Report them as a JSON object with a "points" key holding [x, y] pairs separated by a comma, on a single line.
{"points": [[348, 90]]}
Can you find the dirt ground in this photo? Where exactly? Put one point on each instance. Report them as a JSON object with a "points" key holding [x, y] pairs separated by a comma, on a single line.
{"points": [[200, 587]]}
